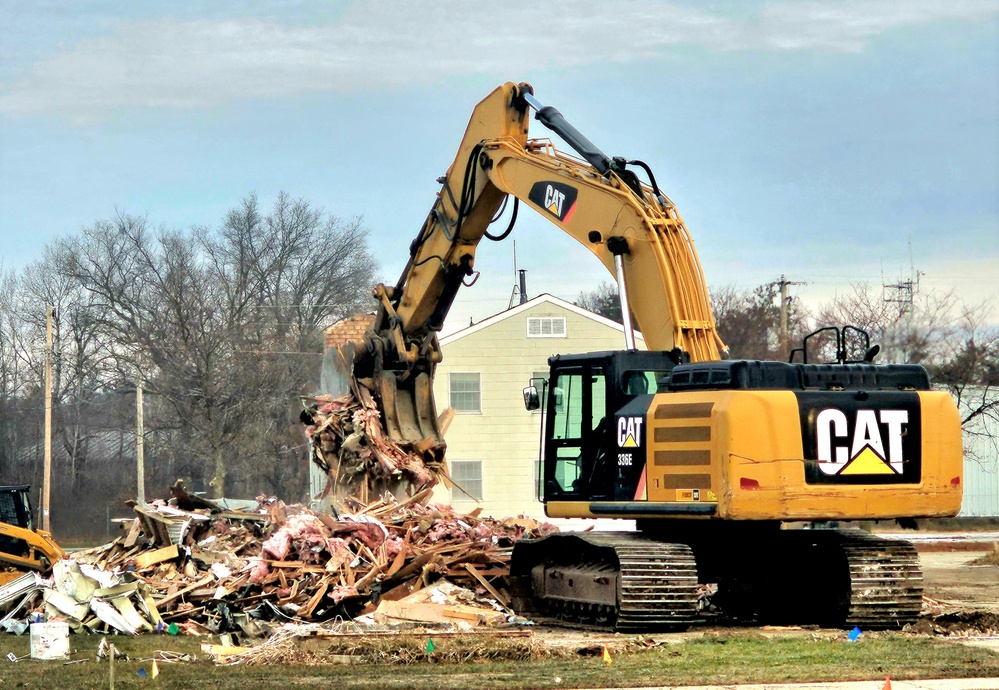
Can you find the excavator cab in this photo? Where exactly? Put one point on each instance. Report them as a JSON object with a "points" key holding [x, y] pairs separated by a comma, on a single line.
{"points": [[587, 396]]}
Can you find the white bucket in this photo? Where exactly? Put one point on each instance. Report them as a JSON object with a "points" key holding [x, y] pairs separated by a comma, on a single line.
{"points": [[50, 641]]}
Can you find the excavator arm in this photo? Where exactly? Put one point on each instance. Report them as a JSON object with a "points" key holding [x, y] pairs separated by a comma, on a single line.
{"points": [[630, 226]]}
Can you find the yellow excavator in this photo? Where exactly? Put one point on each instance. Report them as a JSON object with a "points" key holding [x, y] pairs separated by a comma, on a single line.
{"points": [[717, 460], [22, 548]]}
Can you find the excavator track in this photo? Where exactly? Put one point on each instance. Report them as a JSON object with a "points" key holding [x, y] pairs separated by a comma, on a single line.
{"points": [[605, 580], [886, 581], [833, 578]]}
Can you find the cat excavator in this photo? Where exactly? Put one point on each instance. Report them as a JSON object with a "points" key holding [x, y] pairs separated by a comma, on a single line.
{"points": [[22, 548], [736, 472]]}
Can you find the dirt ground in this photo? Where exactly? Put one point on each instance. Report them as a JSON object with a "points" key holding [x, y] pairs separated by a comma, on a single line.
{"points": [[949, 576]]}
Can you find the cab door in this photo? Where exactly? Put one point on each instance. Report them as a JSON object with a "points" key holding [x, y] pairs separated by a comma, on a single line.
{"points": [[577, 404]]}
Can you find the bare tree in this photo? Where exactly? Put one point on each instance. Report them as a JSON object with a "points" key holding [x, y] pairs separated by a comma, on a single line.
{"points": [[82, 369], [953, 341], [908, 331], [967, 364], [748, 321], [223, 325], [604, 300], [12, 376]]}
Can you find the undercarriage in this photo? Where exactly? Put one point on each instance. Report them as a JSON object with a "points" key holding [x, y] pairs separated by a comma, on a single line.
{"points": [[659, 579]]}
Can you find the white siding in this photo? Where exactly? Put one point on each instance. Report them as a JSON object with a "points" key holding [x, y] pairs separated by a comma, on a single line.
{"points": [[981, 470], [505, 436]]}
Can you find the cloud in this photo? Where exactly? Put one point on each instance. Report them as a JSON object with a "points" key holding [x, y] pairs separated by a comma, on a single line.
{"points": [[203, 63]]}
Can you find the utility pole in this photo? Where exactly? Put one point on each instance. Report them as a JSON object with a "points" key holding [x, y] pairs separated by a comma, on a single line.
{"points": [[47, 471], [903, 293], [783, 284], [139, 447]]}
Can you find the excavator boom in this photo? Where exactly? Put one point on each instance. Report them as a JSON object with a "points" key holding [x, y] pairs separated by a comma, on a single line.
{"points": [[630, 226]]}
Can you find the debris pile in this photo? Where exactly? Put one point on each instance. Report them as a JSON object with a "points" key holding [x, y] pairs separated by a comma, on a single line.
{"points": [[348, 443], [954, 620], [212, 571]]}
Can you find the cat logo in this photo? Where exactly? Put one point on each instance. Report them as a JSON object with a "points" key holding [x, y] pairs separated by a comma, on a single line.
{"points": [[629, 432], [862, 449], [556, 198]]}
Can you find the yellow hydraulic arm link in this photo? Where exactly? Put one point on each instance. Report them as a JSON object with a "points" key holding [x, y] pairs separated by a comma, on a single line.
{"points": [[633, 229]]}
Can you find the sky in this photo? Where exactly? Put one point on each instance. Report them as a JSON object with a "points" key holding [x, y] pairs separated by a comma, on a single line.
{"points": [[831, 142]]}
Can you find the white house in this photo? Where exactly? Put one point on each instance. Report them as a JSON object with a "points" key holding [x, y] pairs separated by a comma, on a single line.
{"points": [[493, 442]]}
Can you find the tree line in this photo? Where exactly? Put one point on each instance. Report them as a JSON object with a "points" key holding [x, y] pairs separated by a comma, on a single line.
{"points": [[957, 343], [221, 326]]}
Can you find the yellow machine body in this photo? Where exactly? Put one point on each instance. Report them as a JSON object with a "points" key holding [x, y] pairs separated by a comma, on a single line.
{"points": [[742, 454]]}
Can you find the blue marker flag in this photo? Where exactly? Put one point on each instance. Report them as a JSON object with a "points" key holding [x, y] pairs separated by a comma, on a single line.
{"points": [[854, 634]]}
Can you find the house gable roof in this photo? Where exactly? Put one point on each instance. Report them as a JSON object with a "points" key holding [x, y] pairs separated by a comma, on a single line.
{"points": [[521, 308]]}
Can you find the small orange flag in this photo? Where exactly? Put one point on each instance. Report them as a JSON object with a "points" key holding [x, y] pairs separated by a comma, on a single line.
{"points": [[887, 685], [607, 659]]}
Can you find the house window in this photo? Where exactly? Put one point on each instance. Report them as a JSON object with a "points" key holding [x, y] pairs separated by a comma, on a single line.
{"points": [[546, 327], [467, 474], [466, 392]]}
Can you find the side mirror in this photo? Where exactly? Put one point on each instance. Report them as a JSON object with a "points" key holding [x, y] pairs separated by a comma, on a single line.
{"points": [[532, 401]]}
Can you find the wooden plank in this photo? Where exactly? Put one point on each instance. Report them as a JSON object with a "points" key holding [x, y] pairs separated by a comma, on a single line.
{"points": [[397, 634], [363, 583], [413, 566], [489, 588], [473, 614], [306, 611], [200, 583], [133, 533], [436, 613], [426, 613], [328, 520], [400, 558], [167, 553], [444, 419]]}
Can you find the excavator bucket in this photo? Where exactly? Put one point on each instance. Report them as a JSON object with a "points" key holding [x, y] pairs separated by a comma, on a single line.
{"points": [[409, 414], [404, 396]]}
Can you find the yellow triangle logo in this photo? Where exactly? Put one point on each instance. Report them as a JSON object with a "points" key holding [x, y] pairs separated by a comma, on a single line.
{"points": [[868, 462], [553, 209], [630, 442]]}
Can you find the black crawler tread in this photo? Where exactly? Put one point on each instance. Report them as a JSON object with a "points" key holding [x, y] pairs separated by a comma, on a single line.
{"points": [[657, 586], [886, 581]]}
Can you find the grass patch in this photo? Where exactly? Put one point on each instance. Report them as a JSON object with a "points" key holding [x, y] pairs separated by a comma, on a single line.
{"points": [[474, 662]]}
